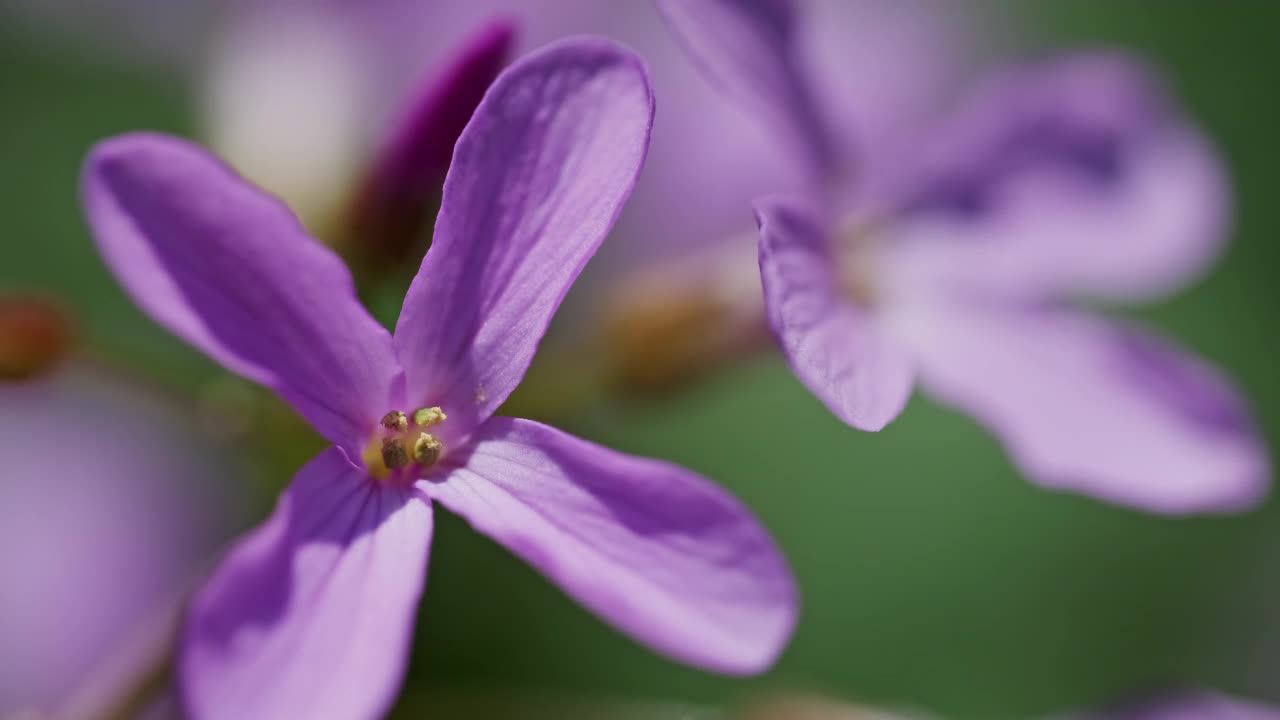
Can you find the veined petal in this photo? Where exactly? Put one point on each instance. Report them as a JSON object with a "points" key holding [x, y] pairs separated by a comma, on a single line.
{"points": [[748, 47], [1070, 177], [837, 349], [1095, 407], [229, 270], [668, 558], [311, 614], [537, 180], [390, 212]]}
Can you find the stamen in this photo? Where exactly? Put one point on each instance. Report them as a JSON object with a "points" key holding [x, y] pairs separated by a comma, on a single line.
{"points": [[426, 417], [395, 420], [393, 453], [399, 443], [426, 450]]}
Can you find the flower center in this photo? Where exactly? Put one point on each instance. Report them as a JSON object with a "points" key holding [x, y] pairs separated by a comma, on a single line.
{"points": [[401, 440]]}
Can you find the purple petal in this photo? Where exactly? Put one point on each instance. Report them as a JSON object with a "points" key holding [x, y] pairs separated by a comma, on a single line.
{"points": [[836, 348], [311, 614], [229, 270], [1094, 407], [391, 209], [748, 47], [670, 559], [1075, 176], [537, 180]]}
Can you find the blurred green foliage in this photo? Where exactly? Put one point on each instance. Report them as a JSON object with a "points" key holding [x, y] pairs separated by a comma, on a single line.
{"points": [[933, 576]]}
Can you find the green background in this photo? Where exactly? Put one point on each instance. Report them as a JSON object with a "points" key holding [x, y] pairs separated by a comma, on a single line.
{"points": [[932, 575]]}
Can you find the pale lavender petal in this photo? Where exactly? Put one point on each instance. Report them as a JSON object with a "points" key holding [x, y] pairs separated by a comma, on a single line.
{"points": [[883, 69], [390, 210], [1095, 407], [749, 48], [838, 349], [1073, 176], [229, 270], [311, 614], [537, 180], [667, 557]]}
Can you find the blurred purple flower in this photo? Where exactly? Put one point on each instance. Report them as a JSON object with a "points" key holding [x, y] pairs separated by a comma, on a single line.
{"points": [[312, 613], [956, 264], [109, 501]]}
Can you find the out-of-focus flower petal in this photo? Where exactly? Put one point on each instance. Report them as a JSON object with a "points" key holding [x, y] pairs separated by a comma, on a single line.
{"points": [[748, 47], [837, 349], [670, 559], [1073, 176], [109, 499], [537, 180], [390, 211], [883, 69], [229, 270], [311, 615], [1086, 405]]}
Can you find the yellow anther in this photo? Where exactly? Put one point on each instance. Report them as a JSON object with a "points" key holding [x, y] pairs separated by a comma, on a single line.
{"points": [[395, 420], [426, 417], [393, 453], [426, 450], [400, 442]]}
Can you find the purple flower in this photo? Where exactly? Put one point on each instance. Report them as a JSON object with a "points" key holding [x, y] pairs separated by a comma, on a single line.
{"points": [[311, 614], [956, 268]]}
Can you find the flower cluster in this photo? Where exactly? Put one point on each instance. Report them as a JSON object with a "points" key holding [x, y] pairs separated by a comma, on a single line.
{"points": [[949, 251]]}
